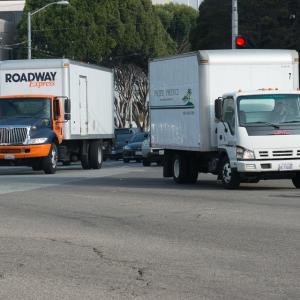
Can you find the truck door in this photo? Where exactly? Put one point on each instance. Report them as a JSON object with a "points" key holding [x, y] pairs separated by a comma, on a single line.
{"points": [[226, 128], [83, 105]]}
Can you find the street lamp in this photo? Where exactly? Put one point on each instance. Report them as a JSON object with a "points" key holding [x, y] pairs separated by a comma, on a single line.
{"points": [[29, 21], [235, 23]]}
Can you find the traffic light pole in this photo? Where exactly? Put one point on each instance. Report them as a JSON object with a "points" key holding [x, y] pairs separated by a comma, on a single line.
{"points": [[235, 22]]}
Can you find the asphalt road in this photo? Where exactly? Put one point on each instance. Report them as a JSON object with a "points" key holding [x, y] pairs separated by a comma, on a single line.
{"points": [[123, 232]]}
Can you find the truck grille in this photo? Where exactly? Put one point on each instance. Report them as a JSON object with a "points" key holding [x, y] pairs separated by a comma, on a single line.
{"points": [[279, 154], [13, 136]]}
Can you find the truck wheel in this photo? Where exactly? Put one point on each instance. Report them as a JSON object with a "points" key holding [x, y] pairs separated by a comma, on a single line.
{"points": [[85, 162], [146, 162], [180, 169], [36, 165], [296, 181], [49, 163], [230, 177], [96, 155]]}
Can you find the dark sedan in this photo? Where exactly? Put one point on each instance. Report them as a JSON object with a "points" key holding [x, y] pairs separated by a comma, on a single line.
{"points": [[133, 150]]}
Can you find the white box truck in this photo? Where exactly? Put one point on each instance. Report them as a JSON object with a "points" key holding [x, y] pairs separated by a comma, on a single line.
{"points": [[54, 110], [232, 113]]}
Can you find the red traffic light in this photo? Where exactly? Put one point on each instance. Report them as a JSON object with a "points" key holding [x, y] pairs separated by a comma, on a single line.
{"points": [[240, 41]]}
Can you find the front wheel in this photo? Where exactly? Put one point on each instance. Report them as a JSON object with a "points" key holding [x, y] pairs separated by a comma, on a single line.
{"points": [[230, 177], [49, 163], [296, 181]]}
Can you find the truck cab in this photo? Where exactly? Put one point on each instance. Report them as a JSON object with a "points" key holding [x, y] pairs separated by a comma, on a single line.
{"points": [[258, 136], [31, 129]]}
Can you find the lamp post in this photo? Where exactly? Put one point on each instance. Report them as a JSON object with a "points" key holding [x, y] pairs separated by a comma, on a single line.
{"points": [[235, 22], [30, 14]]}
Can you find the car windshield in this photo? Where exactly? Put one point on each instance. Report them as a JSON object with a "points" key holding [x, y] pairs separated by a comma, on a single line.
{"points": [[269, 110], [140, 137], [36, 108]]}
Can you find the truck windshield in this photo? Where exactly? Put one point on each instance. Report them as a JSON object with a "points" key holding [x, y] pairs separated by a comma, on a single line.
{"points": [[269, 110], [35, 108]]}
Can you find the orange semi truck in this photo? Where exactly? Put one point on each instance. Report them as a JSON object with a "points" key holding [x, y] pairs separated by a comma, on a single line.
{"points": [[54, 110]]}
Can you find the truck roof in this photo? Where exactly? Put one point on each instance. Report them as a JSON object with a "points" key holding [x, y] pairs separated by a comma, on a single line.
{"points": [[240, 56], [263, 92], [45, 63]]}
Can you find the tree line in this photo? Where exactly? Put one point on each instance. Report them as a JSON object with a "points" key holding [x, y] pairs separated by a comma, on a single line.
{"points": [[125, 34]]}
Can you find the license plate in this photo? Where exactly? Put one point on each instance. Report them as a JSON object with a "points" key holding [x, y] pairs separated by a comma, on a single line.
{"points": [[9, 156], [138, 152], [113, 152], [161, 152], [285, 167]]}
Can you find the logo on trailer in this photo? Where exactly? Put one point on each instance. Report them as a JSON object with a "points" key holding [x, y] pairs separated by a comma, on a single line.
{"points": [[35, 79]]}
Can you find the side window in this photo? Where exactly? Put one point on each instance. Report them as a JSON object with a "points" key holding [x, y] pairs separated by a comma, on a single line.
{"points": [[229, 113], [56, 109]]}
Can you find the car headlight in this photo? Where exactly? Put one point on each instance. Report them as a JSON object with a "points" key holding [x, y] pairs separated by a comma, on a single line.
{"points": [[126, 147], [37, 141], [244, 154]]}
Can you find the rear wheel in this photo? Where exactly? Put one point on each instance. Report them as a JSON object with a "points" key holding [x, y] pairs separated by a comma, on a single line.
{"points": [[49, 163], [96, 155], [230, 177], [179, 168], [296, 181], [85, 162]]}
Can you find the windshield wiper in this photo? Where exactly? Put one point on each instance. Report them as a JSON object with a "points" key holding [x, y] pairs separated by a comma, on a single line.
{"points": [[22, 117], [264, 123], [292, 121]]}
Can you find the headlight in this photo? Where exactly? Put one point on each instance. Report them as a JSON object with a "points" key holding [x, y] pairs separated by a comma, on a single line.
{"points": [[126, 147], [244, 154], [37, 141]]}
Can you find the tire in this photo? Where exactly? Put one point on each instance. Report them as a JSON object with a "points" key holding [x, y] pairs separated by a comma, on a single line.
{"points": [[230, 177], [296, 181], [180, 169], [125, 160], [37, 165], [85, 162], [146, 162], [49, 163], [96, 155]]}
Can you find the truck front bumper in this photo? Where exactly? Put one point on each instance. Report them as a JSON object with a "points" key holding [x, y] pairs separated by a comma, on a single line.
{"points": [[24, 152], [257, 166]]}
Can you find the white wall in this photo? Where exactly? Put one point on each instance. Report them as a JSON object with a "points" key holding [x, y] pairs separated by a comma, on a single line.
{"points": [[192, 3]]}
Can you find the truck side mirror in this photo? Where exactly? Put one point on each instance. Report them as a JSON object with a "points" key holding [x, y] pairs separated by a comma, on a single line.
{"points": [[67, 108], [218, 108]]}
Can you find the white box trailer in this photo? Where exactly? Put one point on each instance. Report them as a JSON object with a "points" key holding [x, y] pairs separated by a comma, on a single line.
{"points": [[194, 129], [84, 89]]}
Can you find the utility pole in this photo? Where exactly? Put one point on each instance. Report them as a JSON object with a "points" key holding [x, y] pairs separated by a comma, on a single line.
{"points": [[235, 22]]}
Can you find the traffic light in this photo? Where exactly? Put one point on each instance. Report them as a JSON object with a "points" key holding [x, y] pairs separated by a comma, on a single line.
{"points": [[240, 42]]}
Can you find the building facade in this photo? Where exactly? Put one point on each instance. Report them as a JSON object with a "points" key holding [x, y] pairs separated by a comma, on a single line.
{"points": [[10, 15]]}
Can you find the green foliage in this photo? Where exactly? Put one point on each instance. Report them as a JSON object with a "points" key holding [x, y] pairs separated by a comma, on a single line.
{"points": [[178, 20], [264, 23], [97, 31]]}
